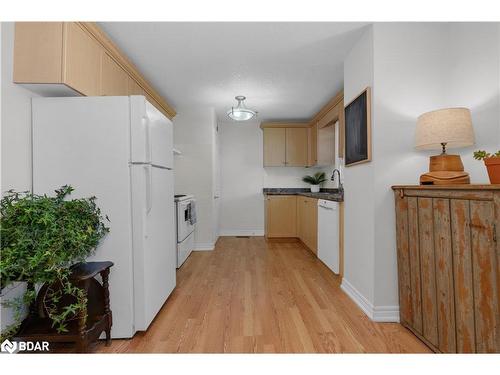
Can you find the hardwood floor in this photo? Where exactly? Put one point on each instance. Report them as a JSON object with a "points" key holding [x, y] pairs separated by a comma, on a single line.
{"points": [[253, 296]]}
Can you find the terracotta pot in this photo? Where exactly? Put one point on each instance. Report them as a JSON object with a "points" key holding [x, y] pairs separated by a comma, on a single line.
{"points": [[493, 167]]}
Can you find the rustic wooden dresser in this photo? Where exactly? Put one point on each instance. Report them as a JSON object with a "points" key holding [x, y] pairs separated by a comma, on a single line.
{"points": [[449, 266]]}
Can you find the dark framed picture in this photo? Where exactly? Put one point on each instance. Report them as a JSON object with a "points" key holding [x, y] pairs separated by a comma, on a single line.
{"points": [[358, 142]]}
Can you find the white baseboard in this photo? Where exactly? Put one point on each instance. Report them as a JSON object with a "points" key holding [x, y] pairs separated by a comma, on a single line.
{"points": [[375, 313], [241, 232], [207, 246], [389, 314]]}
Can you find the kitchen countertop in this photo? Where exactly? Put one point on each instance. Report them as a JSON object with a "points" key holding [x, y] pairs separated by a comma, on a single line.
{"points": [[328, 194]]}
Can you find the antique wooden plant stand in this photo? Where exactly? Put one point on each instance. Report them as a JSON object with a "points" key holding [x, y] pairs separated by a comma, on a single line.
{"points": [[96, 318]]}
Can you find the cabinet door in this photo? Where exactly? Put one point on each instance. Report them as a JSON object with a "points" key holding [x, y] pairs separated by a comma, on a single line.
{"points": [[402, 239], [301, 218], [38, 52], [82, 60], [274, 147], [114, 80], [312, 225], [463, 280], [307, 222], [326, 145], [485, 277], [313, 144], [444, 276], [281, 216], [134, 88], [296, 147]]}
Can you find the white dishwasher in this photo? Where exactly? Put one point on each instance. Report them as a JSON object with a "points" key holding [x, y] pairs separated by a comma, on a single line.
{"points": [[328, 233]]}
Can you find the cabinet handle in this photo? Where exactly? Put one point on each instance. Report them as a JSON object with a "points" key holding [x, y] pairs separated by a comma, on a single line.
{"points": [[494, 233]]}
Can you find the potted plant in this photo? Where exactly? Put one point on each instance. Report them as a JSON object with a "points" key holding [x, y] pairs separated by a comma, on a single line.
{"points": [[315, 181], [492, 162], [41, 238]]}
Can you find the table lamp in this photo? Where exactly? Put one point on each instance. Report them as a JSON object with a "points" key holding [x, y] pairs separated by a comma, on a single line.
{"points": [[444, 129]]}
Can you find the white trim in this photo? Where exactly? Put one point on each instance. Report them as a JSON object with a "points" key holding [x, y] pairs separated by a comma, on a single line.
{"points": [[375, 313], [241, 232], [389, 314], [357, 297], [207, 246]]}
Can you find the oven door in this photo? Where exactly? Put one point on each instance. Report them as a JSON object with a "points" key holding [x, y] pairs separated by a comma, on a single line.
{"points": [[184, 227]]}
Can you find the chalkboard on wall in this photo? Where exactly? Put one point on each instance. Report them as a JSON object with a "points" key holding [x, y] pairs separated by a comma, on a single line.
{"points": [[358, 129]]}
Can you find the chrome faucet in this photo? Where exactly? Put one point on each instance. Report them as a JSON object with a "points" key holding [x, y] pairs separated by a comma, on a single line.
{"points": [[341, 187]]}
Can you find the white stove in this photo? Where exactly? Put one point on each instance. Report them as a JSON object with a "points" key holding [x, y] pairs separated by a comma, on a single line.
{"points": [[185, 214]]}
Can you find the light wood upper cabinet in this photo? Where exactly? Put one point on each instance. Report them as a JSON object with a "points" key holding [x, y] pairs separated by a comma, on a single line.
{"points": [[82, 60], [114, 80], [38, 52], [281, 216], [325, 154], [286, 146], [313, 144], [307, 144], [74, 58], [296, 147], [322, 143], [274, 147], [133, 87]]}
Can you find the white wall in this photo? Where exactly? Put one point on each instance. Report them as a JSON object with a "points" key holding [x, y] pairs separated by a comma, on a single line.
{"points": [[243, 178], [15, 121], [358, 183], [410, 65], [473, 82], [194, 169], [15, 138], [416, 68]]}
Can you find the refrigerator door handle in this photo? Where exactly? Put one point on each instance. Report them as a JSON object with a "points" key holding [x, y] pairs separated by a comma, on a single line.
{"points": [[149, 187]]}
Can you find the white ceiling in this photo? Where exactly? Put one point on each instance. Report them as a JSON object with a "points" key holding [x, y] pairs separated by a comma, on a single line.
{"points": [[286, 70]]}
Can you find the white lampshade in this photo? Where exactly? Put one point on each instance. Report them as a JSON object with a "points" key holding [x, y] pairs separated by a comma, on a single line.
{"points": [[452, 126]]}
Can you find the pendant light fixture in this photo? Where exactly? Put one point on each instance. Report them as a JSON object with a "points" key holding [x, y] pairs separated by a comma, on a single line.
{"points": [[241, 112]]}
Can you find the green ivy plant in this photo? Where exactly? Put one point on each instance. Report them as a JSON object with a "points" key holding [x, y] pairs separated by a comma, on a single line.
{"points": [[481, 155], [316, 179], [41, 238]]}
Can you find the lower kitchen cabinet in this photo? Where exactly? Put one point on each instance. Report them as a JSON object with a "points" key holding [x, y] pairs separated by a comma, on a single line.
{"points": [[281, 216], [448, 266], [293, 216], [307, 222]]}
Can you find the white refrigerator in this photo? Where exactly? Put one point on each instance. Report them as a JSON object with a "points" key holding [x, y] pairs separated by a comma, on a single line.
{"points": [[119, 149]]}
